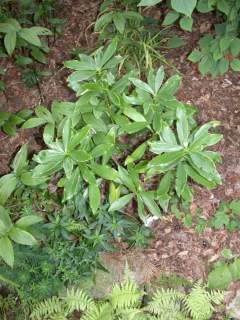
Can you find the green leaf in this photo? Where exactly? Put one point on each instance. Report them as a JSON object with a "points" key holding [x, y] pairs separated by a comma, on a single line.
{"points": [[38, 55], [5, 221], [133, 114], [170, 87], [182, 127], [103, 21], [219, 278], [150, 204], [164, 160], [94, 197], [80, 155], [20, 161], [78, 137], [235, 47], [235, 206], [119, 22], [186, 23], [147, 3], [181, 179], [22, 237], [235, 64], [175, 42], [27, 221], [195, 56], [126, 179], [136, 154], [41, 31], [105, 172], [223, 66], [160, 147], [28, 180], [184, 6], [198, 178], [225, 43], [170, 18], [33, 122], [159, 79], [71, 185], [223, 6], [8, 184], [205, 65], [114, 193], [6, 251], [30, 36], [142, 85], [66, 133], [134, 127], [109, 52], [10, 41], [165, 183], [68, 164], [121, 202]]}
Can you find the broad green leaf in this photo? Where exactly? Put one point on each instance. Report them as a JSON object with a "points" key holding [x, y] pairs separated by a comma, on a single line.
{"points": [[184, 6], [28, 180], [8, 184], [175, 42], [44, 171], [133, 114], [27, 221], [5, 221], [198, 178], [186, 23], [109, 52], [71, 185], [195, 56], [114, 193], [166, 159], [88, 175], [235, 64], [134, 127], [181, 179], [78, 137], [94, 197], [6, 251], [68, 164], [220, 277], [80, 155], [48, 133], [20, 161], [30, 36], [141, 209], [235, 47], [165, 183], [225, 43], [182, 127], [126, 179], [7, 27], [168, 136], [22, 237], [66, 133], [49, 155], [103, 21], [10, 41], [235, 206], [119, 22], [41, 31], [142, 85], [170, 87], [105, 172], [224, 6], [33, 122], [147, 3], [159, 79], [150, 204], [170, 18], [205, 64], [136, 154], [38, 55], [121, 202], [160, 147]]}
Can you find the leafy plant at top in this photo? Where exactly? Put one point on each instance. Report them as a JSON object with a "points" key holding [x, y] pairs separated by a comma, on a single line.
{"points": [[124, 302], [9, 121], [15, 35], [185, 153]]}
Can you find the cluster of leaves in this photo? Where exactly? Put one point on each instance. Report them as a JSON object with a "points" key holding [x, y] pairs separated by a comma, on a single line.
{"points": [[226, 270], [126, 302], [83, 137], [219, 51], [9, 121], [20, 34]]}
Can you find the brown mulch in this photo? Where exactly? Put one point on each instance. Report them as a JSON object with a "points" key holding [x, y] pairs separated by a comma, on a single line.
{"points": [[175, 249]]}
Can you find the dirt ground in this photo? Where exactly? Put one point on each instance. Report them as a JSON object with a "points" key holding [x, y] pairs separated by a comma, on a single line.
{"points": [[174, 249]]}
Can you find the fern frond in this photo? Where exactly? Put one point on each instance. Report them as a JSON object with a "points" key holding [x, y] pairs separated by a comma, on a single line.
{"points": [[78, 300], [125, 295], [198, 303], [47, 308], [165, 301], [99, 312], [216, 296]]}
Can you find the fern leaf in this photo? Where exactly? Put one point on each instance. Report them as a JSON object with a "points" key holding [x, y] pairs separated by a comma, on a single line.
{"points": [[76, 299], [99, 312], [198, 303], [165, 301], [125, 295], [216, 296], [47, 308]]}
